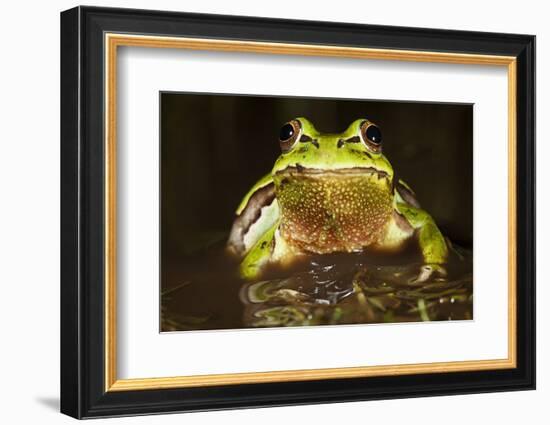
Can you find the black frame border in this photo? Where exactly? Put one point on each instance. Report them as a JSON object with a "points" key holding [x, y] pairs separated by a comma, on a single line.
{"points": [[82, 211]]}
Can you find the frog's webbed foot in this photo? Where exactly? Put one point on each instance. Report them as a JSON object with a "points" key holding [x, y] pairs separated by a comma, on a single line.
{"points": [[427, 271]]}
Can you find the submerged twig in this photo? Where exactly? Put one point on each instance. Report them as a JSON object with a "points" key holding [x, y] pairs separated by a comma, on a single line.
{"points": [[175, 288], [422, 310]]}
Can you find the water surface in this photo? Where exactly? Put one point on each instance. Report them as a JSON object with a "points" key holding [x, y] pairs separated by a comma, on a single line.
{"points": [[204, 292]]}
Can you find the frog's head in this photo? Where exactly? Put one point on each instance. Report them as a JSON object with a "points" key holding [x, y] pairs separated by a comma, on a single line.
{"points": [[334, 189], [356, 150]]}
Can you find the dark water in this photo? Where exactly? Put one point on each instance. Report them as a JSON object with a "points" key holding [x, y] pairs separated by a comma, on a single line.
{"points": [[205, 292]]}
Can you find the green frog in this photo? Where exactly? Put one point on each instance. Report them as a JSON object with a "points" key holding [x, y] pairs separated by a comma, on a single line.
{"points": [[331, 193]]}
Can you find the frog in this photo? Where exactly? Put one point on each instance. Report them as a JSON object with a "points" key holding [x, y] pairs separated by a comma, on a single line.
{"points": [[331, 193]]}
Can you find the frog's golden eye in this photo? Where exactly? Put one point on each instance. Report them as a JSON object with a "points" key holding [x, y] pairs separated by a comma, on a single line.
{"points": [[372, 136], [289, 134]]}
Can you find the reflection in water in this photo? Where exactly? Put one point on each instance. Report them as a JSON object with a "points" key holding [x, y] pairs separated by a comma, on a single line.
{"points": [[321, 290]]}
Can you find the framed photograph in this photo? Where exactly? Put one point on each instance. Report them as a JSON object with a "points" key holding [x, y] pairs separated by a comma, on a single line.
{"points": [[261, 212]]}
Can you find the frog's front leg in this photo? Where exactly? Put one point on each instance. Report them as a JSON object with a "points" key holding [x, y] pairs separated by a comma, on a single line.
{"points": [[270, 248], [259, 255], [432, 243]]}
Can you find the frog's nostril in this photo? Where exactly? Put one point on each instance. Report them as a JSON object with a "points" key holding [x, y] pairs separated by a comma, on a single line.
{"points": [[342, 142], [306, 139]]}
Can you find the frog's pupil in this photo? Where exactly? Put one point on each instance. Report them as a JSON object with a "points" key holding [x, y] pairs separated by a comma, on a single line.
{"points": [[374, 134], [287, 131]]}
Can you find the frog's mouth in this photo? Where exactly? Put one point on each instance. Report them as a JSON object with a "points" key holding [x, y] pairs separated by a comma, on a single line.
{"points": [[297, 170]]}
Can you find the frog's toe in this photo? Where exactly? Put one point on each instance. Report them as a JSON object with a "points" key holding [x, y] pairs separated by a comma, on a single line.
{"points": [[427, 271]]}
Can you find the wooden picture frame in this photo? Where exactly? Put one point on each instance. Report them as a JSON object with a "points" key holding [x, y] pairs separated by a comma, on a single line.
{"points": [[90, 39]]}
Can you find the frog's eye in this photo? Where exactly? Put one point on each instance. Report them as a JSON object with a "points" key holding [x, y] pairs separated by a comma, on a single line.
{"points": [[289, 134], [372, 136]]}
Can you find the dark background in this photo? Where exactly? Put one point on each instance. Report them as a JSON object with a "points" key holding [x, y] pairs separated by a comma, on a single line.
{"points": [[214, 147]]}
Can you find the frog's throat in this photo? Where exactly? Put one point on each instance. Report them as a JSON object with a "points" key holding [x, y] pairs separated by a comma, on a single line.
{"points": [[333, 211]]}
